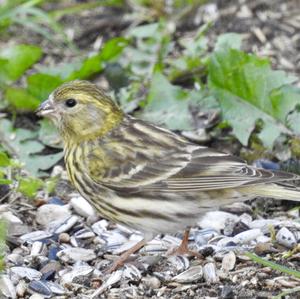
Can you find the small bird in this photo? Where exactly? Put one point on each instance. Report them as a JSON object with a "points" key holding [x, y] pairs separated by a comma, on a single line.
{"points": [[144, 176]]}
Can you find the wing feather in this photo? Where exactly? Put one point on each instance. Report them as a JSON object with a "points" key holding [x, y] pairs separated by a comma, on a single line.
{"points": [[148, 158]]}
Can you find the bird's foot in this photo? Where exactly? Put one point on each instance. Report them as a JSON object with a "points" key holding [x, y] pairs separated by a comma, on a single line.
{"points": [[119, 262], [183, 248]]}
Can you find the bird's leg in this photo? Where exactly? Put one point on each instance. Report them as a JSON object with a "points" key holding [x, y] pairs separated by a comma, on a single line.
{"points": [[183, 247], [124, 256]]}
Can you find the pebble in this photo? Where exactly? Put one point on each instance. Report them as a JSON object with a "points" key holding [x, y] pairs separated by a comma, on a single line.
{"points": [[151, 282], [7, 288], [64, 238], [52, 212], [82, 207], [72, 255], [286, 238]]}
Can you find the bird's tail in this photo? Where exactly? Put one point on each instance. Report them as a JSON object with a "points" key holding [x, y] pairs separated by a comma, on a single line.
{"points": [[273, 191]]}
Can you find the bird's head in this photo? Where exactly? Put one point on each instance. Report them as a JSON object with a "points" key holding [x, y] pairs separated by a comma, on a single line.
{"points": [[80, 110]]}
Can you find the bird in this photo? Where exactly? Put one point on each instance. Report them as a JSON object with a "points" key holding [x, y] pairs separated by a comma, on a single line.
{"points": [[144, 176]]}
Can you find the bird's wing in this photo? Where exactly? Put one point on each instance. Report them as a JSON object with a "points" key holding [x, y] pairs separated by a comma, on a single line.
{"points": [[144, 157]]}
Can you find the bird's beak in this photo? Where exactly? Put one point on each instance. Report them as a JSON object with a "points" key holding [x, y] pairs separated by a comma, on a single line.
{"points": [[46, 108]]}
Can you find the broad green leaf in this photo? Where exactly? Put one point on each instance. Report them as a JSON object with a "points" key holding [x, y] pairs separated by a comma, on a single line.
{"points": [[170, 105], [21, 99], [19, 59], [4, 160], [113, 48], [245, 87], [27, 148], [87, 68], [41, 85]]}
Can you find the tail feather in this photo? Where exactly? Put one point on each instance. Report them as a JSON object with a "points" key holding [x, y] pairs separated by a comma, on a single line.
{"points": [[273, 191]]}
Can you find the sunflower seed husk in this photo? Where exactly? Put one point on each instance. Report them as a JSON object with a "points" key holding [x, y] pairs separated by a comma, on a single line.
{"points": [[7, 287], [24, 272], [210, 273], [193, 274], [228, 261], [40, 287]]}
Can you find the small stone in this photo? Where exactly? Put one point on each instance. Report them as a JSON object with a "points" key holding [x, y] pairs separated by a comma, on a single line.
{"points": [[64, 238], [82, 207], [51, 212], [72, 255], [151, 282], [263, 248], [286, 238]]}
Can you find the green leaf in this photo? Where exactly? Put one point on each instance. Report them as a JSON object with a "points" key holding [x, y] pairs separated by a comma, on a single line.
{"points": [[29, 186], [4, 160], [113, 48], [20, 99], [28, 148], [170, 105], [19, 58], [87, 68], [5, 181], [245, 87], [41, 85]]}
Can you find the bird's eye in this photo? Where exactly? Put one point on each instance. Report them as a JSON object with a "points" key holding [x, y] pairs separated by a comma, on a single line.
{"points": [[70, 103]]}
